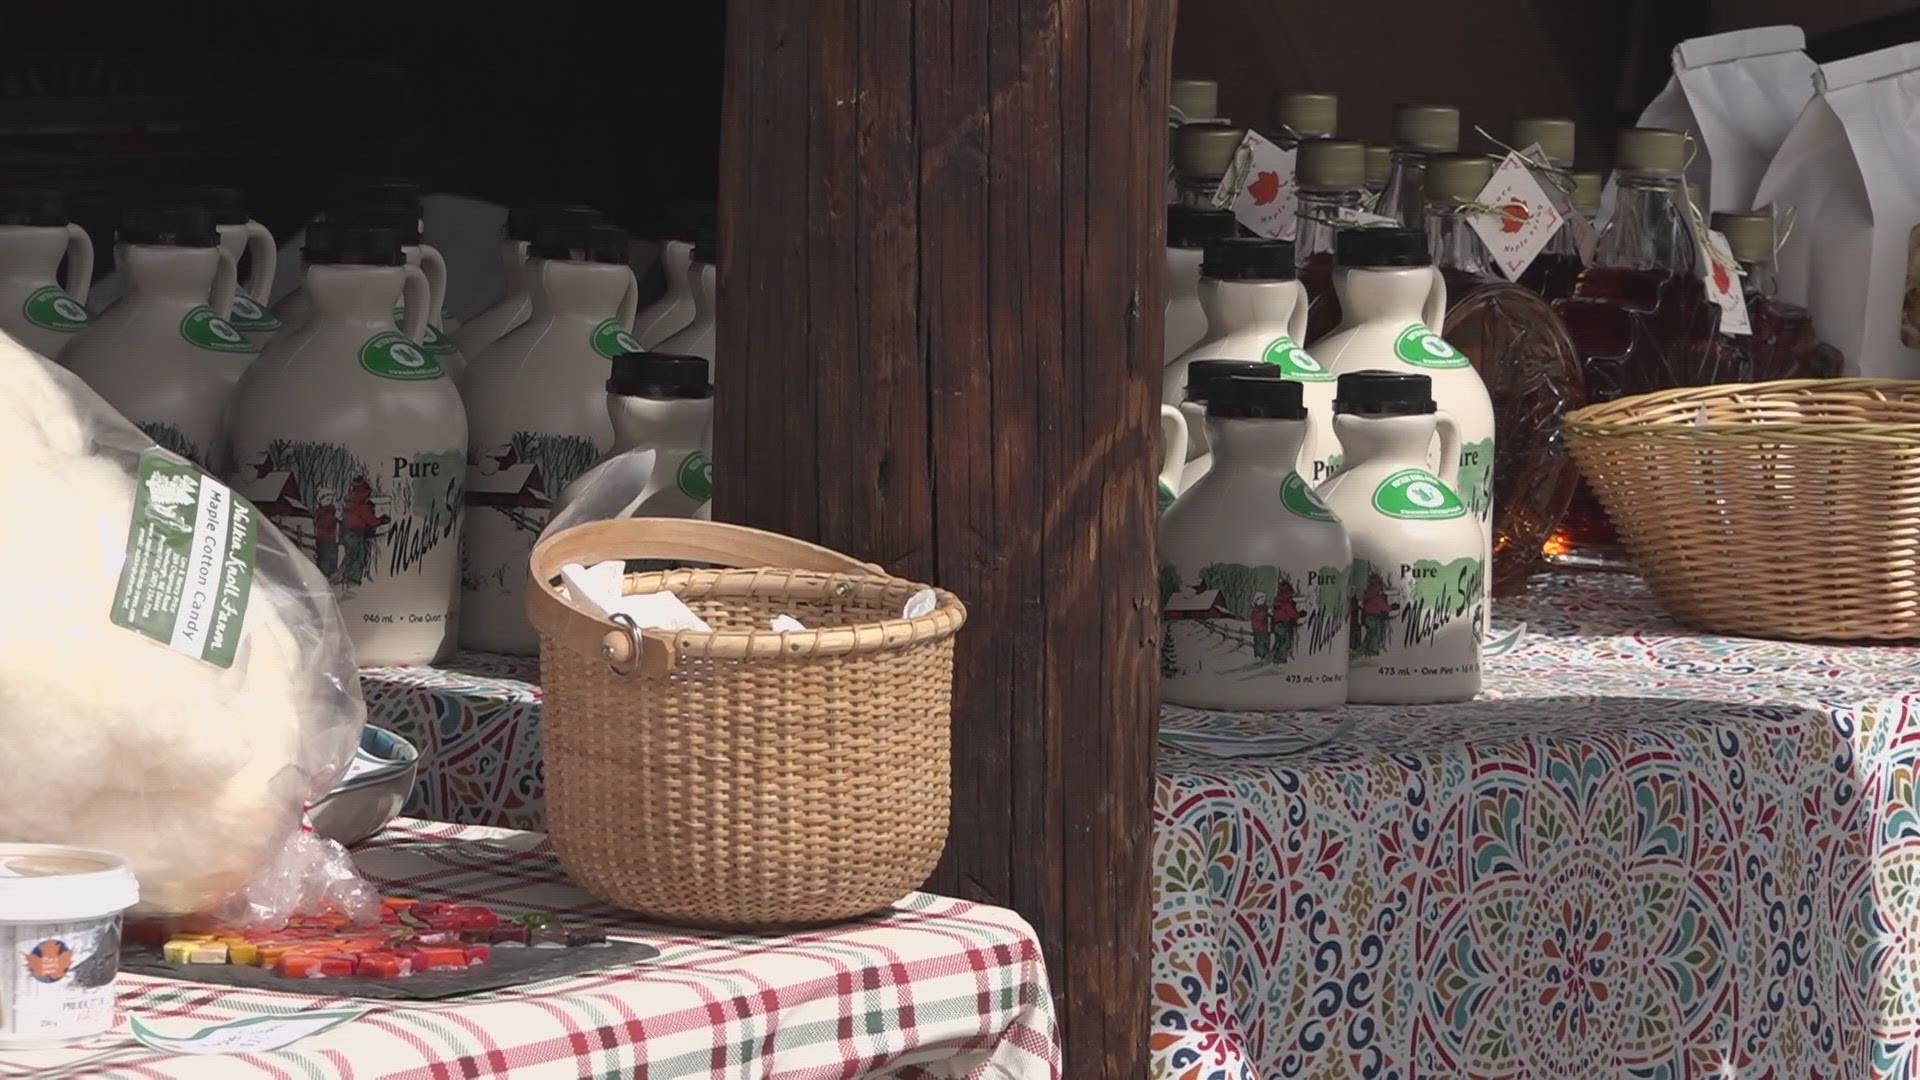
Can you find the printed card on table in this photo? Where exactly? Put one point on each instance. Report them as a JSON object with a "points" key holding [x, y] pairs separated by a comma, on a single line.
{"points": [[1523, 220], [1585, 237], [1259, 188]]}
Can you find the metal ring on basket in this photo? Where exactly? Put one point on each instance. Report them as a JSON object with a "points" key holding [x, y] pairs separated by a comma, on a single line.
{"points": [[607, 650]]}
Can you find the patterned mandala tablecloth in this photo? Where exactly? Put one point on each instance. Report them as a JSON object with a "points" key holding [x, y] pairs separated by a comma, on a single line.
{"points": [[1646, 852], [935, 989]]}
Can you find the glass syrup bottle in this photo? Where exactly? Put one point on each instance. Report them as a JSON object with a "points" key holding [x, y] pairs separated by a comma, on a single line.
{"points": [[1418, 130], [1783, 344], [1301, 115], [1330, 179], [1202, 154], [1379, 168], [1553, 271], [1640, 315], [1525, 358]]}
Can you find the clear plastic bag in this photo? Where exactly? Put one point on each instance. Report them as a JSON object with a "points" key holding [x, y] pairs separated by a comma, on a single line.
{"points": [[176, 684]]}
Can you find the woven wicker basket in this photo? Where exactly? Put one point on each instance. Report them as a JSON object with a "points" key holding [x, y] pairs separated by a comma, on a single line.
{"points": [[744, 778], [1780, 510]]}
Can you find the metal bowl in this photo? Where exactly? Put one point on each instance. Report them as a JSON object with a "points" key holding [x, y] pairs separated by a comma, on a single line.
{"points": [[372, 792]]}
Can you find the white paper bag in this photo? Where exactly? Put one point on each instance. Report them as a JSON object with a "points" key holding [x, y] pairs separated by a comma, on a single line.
{"points": [[1850, 170], [1738, 94]]}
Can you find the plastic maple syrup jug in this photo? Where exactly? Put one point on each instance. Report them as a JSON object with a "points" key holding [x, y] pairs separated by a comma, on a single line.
{"points": [[513, 307], [352, 440], [658, 402], [687, 224], [164, 355], [241, 236], [1392, 300], [538, 406], [35, 236], [1201, 375], [1189, 230], [1253, 575], [1417, 593], [1255, 311], [697, 338], [426, 258]]}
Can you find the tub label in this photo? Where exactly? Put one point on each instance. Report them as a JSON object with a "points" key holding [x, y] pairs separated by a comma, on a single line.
{"points": [[58, 978], [189, 566], [610, 339]]}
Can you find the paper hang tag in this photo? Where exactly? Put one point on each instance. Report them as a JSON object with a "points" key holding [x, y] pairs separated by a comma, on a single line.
{"points": [[1525, 218], [1723, 286], [1259, 188]]}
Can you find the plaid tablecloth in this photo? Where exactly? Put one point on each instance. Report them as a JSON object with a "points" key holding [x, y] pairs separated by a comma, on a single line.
{"points": [[1646, 852], [937, 988]]}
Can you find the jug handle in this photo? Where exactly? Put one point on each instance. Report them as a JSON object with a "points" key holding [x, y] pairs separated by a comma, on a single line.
{"points": [[1297, 318], [629, 302], [1449, 433], [1435, 313], [225, 281], [79, 263], [417, 298], [1173, 446], [434, 266], [266, 260]]}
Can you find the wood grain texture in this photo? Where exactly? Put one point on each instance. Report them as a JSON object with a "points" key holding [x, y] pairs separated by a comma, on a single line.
{"points": [[939, 350]]}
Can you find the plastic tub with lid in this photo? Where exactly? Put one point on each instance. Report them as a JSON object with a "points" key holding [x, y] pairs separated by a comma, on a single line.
{"points": [[60, 910]]}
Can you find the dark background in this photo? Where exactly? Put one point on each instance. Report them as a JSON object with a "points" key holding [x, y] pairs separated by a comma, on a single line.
{"points": [[616, 105]]}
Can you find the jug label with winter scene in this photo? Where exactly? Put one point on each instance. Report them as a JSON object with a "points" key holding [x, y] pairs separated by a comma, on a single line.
{"points": [[1252, 622], [364, 518], [1399, 612]]}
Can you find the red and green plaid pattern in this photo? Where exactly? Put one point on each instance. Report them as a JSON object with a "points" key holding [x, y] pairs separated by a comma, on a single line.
{"points": [[937, 988]]}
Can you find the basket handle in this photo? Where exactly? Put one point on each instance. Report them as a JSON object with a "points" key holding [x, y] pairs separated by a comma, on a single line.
{"points": [[677, 539]]}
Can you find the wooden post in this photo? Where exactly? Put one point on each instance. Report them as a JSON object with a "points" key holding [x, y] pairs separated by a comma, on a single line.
{"points": [[940, 350]]}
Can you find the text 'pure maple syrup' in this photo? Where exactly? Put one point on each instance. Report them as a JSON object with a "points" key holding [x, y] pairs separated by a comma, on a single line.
{"points": [[1524, 357], [1783, 344], [1330, 179], [1640, 315]]}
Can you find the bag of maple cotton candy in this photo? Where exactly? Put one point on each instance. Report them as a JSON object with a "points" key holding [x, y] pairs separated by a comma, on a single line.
{"points": [[176, 684]]}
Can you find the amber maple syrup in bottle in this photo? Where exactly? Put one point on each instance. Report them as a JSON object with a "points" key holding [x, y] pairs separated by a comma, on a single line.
{"points": [[1640, 315], [1418, 131], [1330, 179], [1783, 344], [1525, 358], [1553, 271]]}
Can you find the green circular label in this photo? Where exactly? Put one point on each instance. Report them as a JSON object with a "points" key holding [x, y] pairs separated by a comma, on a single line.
{"points": [[437, 342], [1300, 500], [1421, 347], [1293, 361], [250, 314], [610, 339], [51, 308], [1166, 496], [201, 327], [696, 476], [1417, 495], [391, 356]]}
